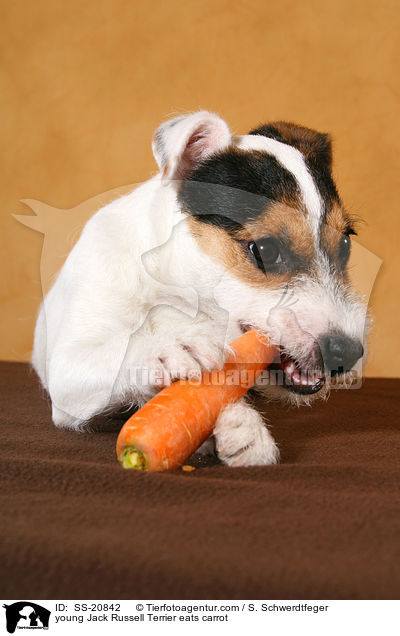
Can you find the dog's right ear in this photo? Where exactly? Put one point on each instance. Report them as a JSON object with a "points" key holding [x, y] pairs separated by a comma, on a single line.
{"points": [[181, 143]]}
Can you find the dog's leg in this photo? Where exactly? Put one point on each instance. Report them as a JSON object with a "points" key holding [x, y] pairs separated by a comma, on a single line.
{"points": [[82, 381], [242, 439], [87, 381], [174, 347]]}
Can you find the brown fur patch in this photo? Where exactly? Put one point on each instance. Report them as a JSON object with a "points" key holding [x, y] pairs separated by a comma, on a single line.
{"points": [[339, 219], [337, 222], [279, 220]]}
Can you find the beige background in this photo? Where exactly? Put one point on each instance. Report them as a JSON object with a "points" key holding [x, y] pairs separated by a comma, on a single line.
{"points": [[84, 84]]}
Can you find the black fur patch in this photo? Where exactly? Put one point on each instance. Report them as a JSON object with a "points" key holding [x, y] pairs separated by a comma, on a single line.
{"points": [[235, 186], [316, 148]]}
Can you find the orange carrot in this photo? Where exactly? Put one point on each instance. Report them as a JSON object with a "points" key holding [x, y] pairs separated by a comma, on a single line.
{"points": [[175, 422]]}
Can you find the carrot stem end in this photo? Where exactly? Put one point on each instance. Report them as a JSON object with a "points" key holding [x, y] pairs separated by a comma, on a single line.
{"points": [[133, 458]]}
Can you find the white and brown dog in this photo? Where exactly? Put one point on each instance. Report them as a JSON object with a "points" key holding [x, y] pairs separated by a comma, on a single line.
{"points": [[252, 233]]}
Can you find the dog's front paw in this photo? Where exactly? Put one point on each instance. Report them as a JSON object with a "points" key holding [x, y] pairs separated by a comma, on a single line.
{"points": [[242, 439], [207, 349], [183, 358]]}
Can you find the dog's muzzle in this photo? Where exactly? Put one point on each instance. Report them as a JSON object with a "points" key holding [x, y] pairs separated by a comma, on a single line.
{"points": [[339, 353], [333, 354]]}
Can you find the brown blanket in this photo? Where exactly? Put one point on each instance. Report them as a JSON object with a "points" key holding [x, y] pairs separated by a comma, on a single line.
{"points": [[324, 524]]}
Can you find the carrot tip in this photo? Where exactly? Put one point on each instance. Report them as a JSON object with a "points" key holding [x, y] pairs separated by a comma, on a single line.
{"points": [[131, 457]]}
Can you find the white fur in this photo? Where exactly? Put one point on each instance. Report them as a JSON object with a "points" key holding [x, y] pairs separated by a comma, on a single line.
{"points": [[179, 143], [241, 437], [138, 304]]}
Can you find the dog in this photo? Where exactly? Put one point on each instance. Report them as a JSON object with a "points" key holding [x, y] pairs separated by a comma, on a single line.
{"points": [[232, 233]]}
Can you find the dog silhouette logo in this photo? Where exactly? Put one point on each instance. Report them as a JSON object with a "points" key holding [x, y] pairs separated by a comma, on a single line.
{"points": [[26, 615]]}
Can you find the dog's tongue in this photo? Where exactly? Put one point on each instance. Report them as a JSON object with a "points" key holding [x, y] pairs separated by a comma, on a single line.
{"points": [[301, 380]]}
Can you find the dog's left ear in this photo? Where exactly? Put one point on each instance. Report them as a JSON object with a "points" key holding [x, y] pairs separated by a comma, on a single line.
{"points": [[181, 143], [315, 146]]}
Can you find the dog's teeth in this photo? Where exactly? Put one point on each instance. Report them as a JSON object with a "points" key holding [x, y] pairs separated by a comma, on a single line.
{"points": [[299, 376], [296, 378]]}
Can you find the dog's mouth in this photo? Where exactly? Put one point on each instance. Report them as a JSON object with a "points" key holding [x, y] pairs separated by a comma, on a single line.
{"points": [[304, 380], [301, 378]]}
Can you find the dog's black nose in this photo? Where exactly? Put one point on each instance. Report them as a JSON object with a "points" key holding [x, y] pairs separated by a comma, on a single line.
{"points": [[340, 352]]}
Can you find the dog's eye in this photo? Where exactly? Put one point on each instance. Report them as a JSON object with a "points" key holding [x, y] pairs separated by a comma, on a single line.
{"points": [[265, 253], [344, 249]]}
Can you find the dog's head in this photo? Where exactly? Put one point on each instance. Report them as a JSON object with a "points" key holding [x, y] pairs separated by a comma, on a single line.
{"points": [[264, 209]]}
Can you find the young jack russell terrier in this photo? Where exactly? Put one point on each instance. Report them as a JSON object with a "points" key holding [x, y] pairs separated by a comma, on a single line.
{"points": [[233, 232]]}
